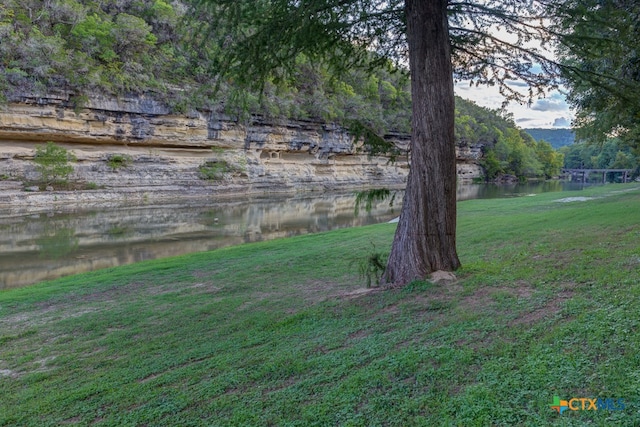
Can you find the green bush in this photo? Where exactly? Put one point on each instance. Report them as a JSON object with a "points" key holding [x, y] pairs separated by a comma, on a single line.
{"points": [[52, 161], [215, 170], [117, 161]]}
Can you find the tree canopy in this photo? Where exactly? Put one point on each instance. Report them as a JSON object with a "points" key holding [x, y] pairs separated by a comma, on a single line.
{"points": [[611, 154], [493, 42], [601, 66]]}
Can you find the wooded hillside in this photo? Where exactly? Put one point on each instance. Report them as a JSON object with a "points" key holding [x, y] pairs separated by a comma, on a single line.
{"points": [[159, 48], [556, 137]]}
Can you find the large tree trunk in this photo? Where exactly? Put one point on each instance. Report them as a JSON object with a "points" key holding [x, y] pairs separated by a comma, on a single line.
{"points": [[425, 240]]}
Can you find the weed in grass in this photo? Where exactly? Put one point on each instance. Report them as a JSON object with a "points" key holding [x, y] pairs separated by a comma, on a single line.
{"points": [[372, 266]]}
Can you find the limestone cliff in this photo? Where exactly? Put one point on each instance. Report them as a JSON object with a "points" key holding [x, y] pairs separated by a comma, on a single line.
{"points": [[165, 152]]}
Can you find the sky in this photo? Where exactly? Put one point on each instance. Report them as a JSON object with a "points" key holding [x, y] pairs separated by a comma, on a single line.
{"points": [[549, 112]]}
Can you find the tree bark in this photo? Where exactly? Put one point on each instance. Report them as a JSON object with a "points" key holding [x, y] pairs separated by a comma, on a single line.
{"points": [[425, 240]]}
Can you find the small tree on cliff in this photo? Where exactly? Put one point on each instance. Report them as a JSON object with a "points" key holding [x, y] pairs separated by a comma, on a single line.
{"points": [[261, 39], [52, 161]]}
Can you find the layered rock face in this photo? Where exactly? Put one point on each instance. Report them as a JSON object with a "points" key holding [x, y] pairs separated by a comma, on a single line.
{"points": [[137, 146]]}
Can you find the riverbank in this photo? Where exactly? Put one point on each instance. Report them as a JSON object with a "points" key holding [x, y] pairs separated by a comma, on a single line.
{"points": [[282, 332]]}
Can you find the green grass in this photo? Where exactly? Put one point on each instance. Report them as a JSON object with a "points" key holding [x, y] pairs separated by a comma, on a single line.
{"points": [[273, 333]]}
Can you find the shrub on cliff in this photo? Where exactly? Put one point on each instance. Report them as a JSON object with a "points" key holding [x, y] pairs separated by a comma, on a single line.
{"points": [[217, 170], [52, 161], [119, 161]]}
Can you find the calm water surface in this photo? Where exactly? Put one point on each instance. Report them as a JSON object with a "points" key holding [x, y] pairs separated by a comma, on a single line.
{"points": [[67, 241]]}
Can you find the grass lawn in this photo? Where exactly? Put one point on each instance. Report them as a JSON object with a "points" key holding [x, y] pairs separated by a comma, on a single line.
{"points": [[282, 333]]}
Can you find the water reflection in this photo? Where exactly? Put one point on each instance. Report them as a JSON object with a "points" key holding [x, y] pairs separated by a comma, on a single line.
{"points": [[57, 241], [45, 246], [494, 191]]}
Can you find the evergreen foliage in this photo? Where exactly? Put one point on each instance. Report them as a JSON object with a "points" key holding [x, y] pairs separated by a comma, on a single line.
{"points": [[601, 65]]}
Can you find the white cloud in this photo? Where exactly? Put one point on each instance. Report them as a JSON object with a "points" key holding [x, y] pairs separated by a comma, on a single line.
{"points": [[543, 113], [550, 104], [561, 122]]}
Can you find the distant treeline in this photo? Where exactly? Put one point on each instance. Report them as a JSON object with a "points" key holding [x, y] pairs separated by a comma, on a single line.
{"points": [[612, 154], [556, 137]]}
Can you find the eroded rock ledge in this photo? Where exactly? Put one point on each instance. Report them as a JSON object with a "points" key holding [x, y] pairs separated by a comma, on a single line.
{"points": [[165, 152]]}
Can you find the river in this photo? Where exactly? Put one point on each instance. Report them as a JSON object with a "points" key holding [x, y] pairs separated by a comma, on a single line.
{"points": [[73, 240]]}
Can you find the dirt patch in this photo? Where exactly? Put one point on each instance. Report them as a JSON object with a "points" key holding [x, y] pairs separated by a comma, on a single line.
{"points": [[359, 334], [8, 373], [520, 290], [355, 293], [204, 274], [443, 292], [40, 365], [105, 295], [21, 320], [78, 313], [481, 298], [390, 309], [314, 291], [549, 309], [306, 293], [486, 296], [206, 288], [257, 297], [149, 378], [44, 315], [74, 305]]}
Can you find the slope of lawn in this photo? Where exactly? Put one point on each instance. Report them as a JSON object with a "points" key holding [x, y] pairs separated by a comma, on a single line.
{"points": [[284, 333]]}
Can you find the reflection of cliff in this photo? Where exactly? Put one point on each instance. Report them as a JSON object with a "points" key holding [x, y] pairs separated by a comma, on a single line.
{"points": [[57, 240], [39, 247], [468, 192]]}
